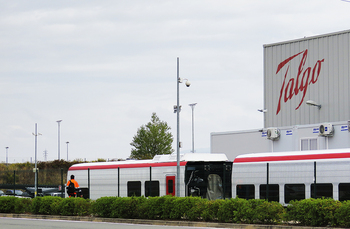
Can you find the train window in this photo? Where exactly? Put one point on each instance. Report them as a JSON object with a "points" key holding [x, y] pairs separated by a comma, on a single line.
{"points": [[344, 191], [245, 191], [294, 192], [273, 192], [134, 188], [152, 186], [214, 188], [322, 190], [170, 186]]}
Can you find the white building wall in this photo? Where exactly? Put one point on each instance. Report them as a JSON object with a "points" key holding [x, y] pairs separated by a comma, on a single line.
{"points": [[256, 141]]}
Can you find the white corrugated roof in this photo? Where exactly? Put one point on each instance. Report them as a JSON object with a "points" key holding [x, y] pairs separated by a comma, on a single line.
{"points": [[288, 153], [164, 158]]}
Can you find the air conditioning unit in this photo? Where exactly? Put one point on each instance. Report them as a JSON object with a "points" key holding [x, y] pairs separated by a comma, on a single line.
{"points": [[273, 133], [326, 129]]}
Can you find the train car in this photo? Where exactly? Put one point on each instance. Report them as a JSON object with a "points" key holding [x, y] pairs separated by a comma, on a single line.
{"points": [[205, 175], [286, 176]]}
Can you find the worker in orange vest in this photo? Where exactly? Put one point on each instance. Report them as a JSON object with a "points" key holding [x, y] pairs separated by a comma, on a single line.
{"points": [[73, 187]]}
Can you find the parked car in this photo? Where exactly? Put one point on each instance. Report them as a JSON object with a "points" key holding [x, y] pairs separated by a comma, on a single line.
{"points": [[17, 192], [2, 193]]}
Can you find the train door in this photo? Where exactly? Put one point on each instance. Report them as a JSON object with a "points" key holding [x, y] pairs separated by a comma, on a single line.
{"points": [[170, 185]]}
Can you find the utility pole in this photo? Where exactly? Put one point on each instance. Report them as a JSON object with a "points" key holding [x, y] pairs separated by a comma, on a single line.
{"points": [[192, 106], [45, 154]]}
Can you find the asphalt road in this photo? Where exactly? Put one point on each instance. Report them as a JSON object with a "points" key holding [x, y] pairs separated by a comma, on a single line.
{"points": [[18, 223]]}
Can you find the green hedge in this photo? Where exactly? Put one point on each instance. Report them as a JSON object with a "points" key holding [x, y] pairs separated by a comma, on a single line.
{"points": [[309, 212], [316, 212]]}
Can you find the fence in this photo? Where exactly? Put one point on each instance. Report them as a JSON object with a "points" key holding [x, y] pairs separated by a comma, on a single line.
{"points": [[24, 179]]}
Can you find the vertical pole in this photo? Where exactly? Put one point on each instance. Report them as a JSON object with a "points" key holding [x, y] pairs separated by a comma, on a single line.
{"points": [[192, 106], [62, 185], [150, 181], [59, 141], [14, 182], [36, 168], [67, 150], [118, 182], [315, 179], [224, 180], [7, 155], [267, 182], [89, 183], [178, 133], [193, 130], [37, 183]]}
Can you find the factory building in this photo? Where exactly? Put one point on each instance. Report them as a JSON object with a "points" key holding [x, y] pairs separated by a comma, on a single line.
{"points": [[306, 99]]}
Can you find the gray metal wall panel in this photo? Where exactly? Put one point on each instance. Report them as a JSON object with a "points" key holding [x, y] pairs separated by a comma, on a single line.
{"points": [[331, 89], [236, 143]]}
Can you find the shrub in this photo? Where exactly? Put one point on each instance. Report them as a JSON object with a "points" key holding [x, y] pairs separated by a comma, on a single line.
{"points": [[167, 207], [23, 205], [313, 212], [127, 207], [231, 210], [342, 214], [151, 208], [182, 206], [36, 203], [103, 206], [7, 204], [75, 206], [46, 205], [211, 208], [198, 206], [262, 211]]}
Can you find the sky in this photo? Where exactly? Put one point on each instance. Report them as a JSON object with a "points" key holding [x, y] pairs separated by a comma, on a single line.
{"points": [[103, 68]]}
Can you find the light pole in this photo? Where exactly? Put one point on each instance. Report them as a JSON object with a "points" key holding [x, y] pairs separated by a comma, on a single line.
{"points": [[36, 167], [178, 81], [192, 106], [58, 122], [7, 154], [67, 150]]}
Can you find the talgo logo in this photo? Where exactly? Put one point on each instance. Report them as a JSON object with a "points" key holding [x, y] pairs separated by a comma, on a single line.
{"points": [[300, 83]]}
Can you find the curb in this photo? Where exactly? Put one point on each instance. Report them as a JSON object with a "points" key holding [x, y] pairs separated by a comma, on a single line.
{"points": [[155, 222]]}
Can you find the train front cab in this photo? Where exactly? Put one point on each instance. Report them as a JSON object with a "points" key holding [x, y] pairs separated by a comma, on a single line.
{"points": [[210, 180]]}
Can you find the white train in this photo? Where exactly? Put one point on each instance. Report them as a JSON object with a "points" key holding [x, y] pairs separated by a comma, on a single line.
{"points": [[205, 175], [282, 176], [292, 175]]}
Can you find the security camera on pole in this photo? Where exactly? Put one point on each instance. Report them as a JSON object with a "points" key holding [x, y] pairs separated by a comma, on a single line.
{"points": [[177, 110]]}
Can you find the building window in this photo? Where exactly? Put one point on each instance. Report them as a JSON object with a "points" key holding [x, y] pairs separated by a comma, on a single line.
{"points": [[294, 192], [152, 186], [322, 190], [273, 192], [308, 144], [134, 188], [246, 191]]}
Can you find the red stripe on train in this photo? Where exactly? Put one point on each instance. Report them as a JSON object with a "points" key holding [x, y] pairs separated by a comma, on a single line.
{"points": [[115, 166], [293, 157]]}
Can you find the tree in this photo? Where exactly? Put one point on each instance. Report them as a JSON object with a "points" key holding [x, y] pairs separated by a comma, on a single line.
{"points": [[152, 139]]}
